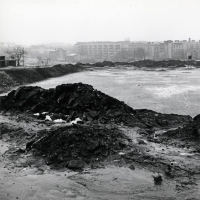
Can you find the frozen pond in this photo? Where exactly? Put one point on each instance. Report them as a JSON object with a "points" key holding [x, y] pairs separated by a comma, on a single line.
{"points": [[173, 91]]}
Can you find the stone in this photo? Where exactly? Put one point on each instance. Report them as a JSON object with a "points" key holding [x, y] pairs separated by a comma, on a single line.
{"points": [[132, 167]]}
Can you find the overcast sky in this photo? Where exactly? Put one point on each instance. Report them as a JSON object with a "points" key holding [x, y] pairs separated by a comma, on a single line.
{"points": [[71, 21]]}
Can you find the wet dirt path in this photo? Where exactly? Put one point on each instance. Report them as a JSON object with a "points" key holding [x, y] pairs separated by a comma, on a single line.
{"points": [[113, 180]]}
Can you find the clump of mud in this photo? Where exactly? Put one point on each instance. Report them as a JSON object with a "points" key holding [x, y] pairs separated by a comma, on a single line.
{"points": [[83, 101], [86, 144]]}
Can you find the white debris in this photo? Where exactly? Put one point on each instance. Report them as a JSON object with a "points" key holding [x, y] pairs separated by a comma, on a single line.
{"points": [[48, 118], [43, 113], [121, 153], [186, 154], [36, 114], [140, 141], [76, 120], [59, 121]]}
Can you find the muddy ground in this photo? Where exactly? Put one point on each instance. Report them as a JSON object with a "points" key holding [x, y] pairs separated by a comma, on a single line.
{"points": [[126, 174], [75, 142]]}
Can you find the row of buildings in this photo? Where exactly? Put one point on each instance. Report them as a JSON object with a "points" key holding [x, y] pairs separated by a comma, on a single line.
{"points": [[131, 51], [105, 51]]}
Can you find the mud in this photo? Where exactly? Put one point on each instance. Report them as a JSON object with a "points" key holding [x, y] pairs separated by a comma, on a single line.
{"points": [[26, 175], [96, 159], [83, 101]]}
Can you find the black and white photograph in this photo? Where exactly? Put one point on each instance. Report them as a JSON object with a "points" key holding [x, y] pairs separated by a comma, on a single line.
{"points": [[100, 99]]}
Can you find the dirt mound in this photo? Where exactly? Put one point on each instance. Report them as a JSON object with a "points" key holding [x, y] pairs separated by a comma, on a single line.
{"points": [[153, 119], [190, 132], [75, 100], [82, 101], [77, 144], [6, 82], [18, 76], [187, 136], [146, 64]]}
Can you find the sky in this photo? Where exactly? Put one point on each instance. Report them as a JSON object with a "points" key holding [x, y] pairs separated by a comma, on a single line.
{"points": [[28, 22]]}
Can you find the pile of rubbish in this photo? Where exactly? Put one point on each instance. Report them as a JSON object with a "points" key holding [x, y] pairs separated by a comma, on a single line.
{"points": [[72, 146], [69, 102]]}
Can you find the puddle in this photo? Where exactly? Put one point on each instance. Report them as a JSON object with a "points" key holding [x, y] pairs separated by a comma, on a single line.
{"points": [[170, 90], [3, 147], [123, 183]]}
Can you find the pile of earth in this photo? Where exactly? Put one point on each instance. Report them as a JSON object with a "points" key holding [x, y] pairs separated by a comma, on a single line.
{"points": [[165, 63], [11, 77], [188, 135], [78, 144], [146, 64], [83, 101]]}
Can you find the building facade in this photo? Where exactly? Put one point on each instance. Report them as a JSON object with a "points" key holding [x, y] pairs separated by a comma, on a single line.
{"points": [[131, 51], [100, 51], [57, 55]]}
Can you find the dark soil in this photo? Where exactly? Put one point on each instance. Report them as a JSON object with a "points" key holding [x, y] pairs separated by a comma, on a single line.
{"points": [[74, 145], [81, 100], [188, 135], [146, 64], [10, 78], [84, 143]]}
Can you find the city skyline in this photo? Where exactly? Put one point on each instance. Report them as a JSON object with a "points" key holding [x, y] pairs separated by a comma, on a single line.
{"points": [[29, 22]]}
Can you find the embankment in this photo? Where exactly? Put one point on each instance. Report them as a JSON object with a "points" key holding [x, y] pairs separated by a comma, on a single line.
{"points": [[147, 64], [10, 78]]}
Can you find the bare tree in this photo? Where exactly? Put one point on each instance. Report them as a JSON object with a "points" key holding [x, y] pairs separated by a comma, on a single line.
{"points": [[17, 53], [39, 58]]}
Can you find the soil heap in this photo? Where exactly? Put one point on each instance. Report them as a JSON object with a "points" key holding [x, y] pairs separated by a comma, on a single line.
{"points": [[188, 135], [146, 64], [83, 101], [73, 146], [11, 77]]}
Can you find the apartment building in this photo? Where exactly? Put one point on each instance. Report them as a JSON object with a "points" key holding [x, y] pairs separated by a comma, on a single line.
{"points": [[131, 51], [100, 51]]}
